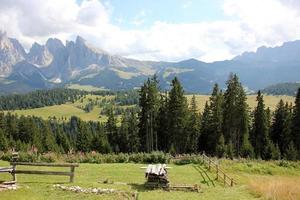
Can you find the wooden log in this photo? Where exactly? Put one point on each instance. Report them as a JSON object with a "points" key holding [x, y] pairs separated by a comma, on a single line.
{"points": [[46, 164]]}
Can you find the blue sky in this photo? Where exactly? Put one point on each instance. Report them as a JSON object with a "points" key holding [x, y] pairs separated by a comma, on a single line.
{"points": [[143, 13], [168, 30]]}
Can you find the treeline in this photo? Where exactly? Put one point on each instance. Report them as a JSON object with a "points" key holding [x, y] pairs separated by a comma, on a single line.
{"points": [[227, 127], [166, 121], [40, 98]]}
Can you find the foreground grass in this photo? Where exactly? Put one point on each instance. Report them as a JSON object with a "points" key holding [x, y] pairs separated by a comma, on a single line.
{"points": [[256, 180], [92, 175]]}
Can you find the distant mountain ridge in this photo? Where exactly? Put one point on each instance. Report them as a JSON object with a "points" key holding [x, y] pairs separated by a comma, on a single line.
{"points": [[55, 64]]}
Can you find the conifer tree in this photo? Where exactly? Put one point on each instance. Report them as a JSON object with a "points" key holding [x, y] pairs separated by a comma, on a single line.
{"points": [[111, 130], [291, 152], [221, 147], [3, 141], [193, 128], [216, 104], [148, 116], [163, 124], [260, 132], [235, 114], [134, 140], [178, 112], [296, 123], [49, 142], [205, 129]]}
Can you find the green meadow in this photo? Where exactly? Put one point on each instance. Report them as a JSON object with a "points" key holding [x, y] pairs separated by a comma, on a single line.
{"points": [[255, 180]]}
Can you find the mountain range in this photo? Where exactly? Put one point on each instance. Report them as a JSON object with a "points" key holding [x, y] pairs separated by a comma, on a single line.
{"points": [[55, 64]]}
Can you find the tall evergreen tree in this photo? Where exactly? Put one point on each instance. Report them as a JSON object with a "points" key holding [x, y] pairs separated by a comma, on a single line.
{"points": [[112, 130], [148, 116], [163, 133], [216, 103], [235, 114], [3, 141], [134, 140], [260, 131], [281, 126], [205, 129], [296, 123], [193, 129], [178, 112]]}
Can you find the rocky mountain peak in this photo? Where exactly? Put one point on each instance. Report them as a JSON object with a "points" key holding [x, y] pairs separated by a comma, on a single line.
{"points": [[11, 52], [39, 55]]}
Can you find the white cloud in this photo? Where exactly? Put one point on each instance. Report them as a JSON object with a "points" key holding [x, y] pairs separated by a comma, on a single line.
{"points": [[251, 23]]}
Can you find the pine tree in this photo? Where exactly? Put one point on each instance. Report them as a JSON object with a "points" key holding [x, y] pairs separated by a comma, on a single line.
{"points": [[205, 129], [221, 147], [291, 152], [246, 148], [148, 116], [296, 122], [163, 133], [112, 130], [235, 114], [134, 140], [178, 112], [216, 103], [123, 136], [193, 129], [49, 142], [3, 141], [281, 132], [260, 132], [278, 124]]}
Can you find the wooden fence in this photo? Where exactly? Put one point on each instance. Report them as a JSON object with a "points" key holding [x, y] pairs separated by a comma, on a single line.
{"points": [[212, 166], [220, 174], [71, 174]]}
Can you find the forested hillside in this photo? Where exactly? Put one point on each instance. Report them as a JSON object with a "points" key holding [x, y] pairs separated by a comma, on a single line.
{"points": [[39, 98], [168, 122], [282, 89]]}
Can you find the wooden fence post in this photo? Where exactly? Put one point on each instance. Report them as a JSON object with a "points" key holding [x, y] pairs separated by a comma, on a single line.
{"points": [[231, 182], [72, 174], [13, 173], [224, 179]]}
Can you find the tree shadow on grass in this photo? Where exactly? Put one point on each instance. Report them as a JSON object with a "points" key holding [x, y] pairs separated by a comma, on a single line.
{"points": [[205, 177]]}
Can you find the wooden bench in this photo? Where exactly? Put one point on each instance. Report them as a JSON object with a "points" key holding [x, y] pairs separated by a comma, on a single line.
{"points": [[71, 174]]}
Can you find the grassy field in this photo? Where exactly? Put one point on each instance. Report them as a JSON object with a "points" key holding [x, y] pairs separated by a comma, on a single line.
{"points": [[88, 88], [70, 109], [256, 180]]}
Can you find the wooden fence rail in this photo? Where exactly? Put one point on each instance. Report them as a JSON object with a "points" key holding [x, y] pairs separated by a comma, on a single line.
{"points": [[71, 174]]}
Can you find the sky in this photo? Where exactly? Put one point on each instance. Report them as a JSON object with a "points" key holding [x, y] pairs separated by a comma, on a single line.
{"points": [[168, 30]]}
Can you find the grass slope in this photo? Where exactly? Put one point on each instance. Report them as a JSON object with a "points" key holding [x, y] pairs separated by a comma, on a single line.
{"points": [[92, 175]]}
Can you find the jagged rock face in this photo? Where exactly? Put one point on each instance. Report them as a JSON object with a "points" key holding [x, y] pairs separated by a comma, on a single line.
{"points": [[11, 52], [39, 55]]}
